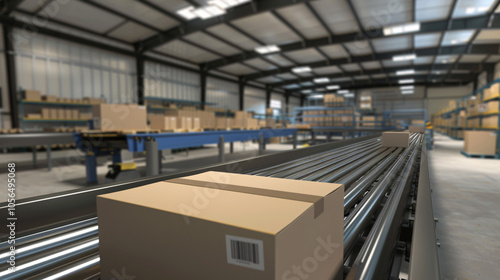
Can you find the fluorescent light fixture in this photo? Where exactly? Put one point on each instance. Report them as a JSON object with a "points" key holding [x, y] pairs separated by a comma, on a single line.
{"points": [[407, 92], [342, 91], [470, 10], [301, 69], [333, 87], [307, 91], [267, 49], [319, 89], [454, 42], [187, 13], [404, 57], [349, 95], [275, 104], [321, 80], [316, 96], [406, 87], [226, 4], [407, 81], [399, 29], [405, 72], [482, 9]]}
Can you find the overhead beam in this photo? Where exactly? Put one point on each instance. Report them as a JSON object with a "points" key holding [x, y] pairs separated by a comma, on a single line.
{"points": [[479, 22], [487, 49], [10, 5], [244, 10], [473, 67]]}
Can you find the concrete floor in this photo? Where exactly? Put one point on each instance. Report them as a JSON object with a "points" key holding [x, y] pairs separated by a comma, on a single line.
{"points": [[466, 197], [68, 171]]}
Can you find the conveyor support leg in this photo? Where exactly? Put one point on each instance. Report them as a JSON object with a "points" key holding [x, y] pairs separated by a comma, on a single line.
{"points": [[221, 149], [151, 157], [91, 168]]}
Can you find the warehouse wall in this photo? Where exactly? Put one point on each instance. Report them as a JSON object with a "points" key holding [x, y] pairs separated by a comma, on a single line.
{"points": [[169, 82], [255, 100], [281, 98], [70, 70], [5, 109], [293, 102], [223, 93], [439, 97]]}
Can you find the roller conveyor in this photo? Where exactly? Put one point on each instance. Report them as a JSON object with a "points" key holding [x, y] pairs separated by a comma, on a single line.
{"points": [[377, 180]]}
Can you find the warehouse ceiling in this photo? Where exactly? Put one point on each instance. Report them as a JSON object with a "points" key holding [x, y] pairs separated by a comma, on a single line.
{"points": [[301, 46]]}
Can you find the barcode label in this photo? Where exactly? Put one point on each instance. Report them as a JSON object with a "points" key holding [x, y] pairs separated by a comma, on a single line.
{"points": [[245, 252]]}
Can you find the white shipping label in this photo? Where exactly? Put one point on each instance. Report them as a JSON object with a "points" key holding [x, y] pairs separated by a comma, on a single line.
{"points": [[245, 252]]}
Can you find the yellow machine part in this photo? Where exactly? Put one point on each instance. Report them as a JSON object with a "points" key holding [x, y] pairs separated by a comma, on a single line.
{"points": [[127, 165]]}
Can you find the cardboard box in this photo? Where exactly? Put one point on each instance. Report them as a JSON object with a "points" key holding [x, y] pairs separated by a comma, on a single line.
{"points": [[196, 123], [395, 139], [492, 106], [33, 116], [480, 142], [416, 129], [68, 114], [113, 117], [49, 98], [46, 113], [199, 225], [53, 113], [92, 100], [32, 95], [418, 122], [75, 114], [85, 116], [61, 114], [491, 121], [158, 121]]}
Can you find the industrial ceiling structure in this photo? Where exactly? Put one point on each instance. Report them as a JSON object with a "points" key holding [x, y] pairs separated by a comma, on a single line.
{"points": [[297, 45]]}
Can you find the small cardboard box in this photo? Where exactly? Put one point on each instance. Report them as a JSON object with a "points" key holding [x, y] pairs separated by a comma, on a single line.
{"points": [[92, 100], [416, 129], [46, 113], [196, 123], [490, 122], [227, 226], [493, 106], [49, 98], [115, 117], [158, 121], [75, 114], [32, 95], [61, 114], [480, 142], [395, 139], [189, 123], [85, 116], [33, 116], [53, 113], [68, 114]]}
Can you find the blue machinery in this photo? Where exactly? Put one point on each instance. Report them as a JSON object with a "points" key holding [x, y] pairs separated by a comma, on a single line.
{"points": [[100, 144]]}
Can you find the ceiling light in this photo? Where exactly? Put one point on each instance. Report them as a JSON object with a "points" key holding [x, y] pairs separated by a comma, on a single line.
{"points": [[407, 92], [321, 80], [187, 13], [226, 4], [444, 61], [404, 57], [349, 95], [342, 91], [405, 72], [307, 91], [316, 96], [454, 41], [470, 10], [407, 81], [267, 49], [482, 9], [209, 12], [333, 87], [302, 69], [406, 87], [319, 89], [399, 29]]}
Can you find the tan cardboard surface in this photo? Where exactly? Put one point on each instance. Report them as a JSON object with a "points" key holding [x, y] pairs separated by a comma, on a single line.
{"points": [[395, 139]]}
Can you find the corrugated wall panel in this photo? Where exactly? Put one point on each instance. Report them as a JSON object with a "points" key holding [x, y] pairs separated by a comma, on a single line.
{"points": [[293, 103], [224, 94], [255, 100], [70, 70], [170, 82], [3, 84]]}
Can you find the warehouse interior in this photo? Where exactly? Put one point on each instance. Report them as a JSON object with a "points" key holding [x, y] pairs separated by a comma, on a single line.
{"points": [[254, 139]]}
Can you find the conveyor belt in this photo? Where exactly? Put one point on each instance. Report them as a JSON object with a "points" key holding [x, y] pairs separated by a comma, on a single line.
{"points": [[369, 173]]}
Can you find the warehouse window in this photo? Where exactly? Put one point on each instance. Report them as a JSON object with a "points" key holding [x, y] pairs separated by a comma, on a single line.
{"points": [[276, 104]]}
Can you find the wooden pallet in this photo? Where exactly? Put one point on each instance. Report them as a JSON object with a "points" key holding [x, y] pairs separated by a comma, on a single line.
{"points": [[479, 156]]}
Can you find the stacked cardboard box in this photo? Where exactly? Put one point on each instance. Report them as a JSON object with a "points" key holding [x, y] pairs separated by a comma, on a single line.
{"points": [[223, 123], [49, 98], [365, 102], [160, 121], [32, 95], [115, 117], [92, 100], [490, 122], [480, 142]]}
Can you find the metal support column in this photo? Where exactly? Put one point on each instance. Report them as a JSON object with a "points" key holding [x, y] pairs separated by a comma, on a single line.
{"points": [[10, 66], [287, 102], [34, 156], [49, 159], [268, 96], [203, 86], [91, 167], [231, 147], [117, 157], [140, 79], [329, 137], [261, 144], [313, 136], [241, 85], [151, 157], [221, 149], [160, 157], [295, 140]]}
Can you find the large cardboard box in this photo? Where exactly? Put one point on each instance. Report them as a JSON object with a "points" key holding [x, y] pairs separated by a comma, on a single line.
{"points": [[61, 114], [490, 122], [49, 98], [493, 106], [223, 226], [395, 139], [113, 117], [196, 123], [68, 114], [85, 116], [480, 142], [32, 95], [158, 121], [75, 114]]}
